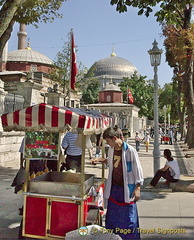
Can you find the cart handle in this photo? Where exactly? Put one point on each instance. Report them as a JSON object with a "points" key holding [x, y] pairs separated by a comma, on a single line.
{"points": [[50, 196]]}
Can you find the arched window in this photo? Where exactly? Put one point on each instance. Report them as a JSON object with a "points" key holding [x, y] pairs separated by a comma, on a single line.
{"points": [[108, 98]]}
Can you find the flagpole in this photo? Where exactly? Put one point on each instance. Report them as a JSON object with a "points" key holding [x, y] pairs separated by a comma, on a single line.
{"points": [[73, 70], [127, 106], [69, 94]]}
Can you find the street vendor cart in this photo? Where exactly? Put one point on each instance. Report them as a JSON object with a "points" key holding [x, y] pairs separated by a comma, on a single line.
{"points": [[57, 202]]}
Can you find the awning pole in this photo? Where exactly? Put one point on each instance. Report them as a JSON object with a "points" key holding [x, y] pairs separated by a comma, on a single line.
{"points": [[82, 180]]}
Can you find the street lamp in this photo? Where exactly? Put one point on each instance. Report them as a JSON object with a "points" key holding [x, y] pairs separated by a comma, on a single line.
{"points": [[164, 108], [168, 120], [155, 59]]}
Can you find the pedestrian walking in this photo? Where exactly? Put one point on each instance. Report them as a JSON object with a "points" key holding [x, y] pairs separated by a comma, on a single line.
{"points": [[118, 131], [137, 141], [170, 133], [146, 140], [175, 135], [98, 144]]}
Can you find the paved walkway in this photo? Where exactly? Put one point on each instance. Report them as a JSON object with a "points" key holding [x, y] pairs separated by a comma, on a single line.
{"points": [[163, 213], [167, 213]]}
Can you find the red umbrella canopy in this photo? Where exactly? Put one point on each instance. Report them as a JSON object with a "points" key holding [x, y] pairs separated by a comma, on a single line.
{"points": [[53, 118]]}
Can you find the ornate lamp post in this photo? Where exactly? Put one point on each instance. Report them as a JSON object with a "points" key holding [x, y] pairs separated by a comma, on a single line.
{"points": [[168, 120], [155, 59], [165, 108]]}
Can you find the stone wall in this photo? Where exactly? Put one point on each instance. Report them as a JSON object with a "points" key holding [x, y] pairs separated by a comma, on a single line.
{"points": [[9, 149], [9, 141]]}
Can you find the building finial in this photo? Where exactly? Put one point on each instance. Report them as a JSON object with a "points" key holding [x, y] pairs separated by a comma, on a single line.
{"points": [[28, 44], [113, 54]]}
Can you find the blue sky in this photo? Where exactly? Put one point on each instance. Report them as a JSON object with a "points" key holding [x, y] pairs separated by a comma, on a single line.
{"points": [[97, 26]]}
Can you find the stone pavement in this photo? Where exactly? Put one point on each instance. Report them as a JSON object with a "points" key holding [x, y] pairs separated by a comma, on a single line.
{"points": [[9, 205], [163, 213], [167, 213]]}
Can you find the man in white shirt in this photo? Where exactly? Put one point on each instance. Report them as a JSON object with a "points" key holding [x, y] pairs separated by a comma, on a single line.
{"points": [[170, 171], [74, 153]]}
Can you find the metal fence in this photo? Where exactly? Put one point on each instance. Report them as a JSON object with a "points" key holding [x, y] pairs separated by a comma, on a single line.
{"points": [[13, 102]]}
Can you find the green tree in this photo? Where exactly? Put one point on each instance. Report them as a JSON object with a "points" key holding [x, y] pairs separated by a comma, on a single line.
{"points": [[90, 94], [165, 95], [179, 44], [27, 12], [142, 91], [177, 15], [168, 97], [61, 71]]}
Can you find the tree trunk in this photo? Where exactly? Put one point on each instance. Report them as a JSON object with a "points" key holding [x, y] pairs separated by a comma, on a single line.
{"points": [[6, 36], [7, 13], [181, 109], [188, 80], [182, 123], [189, 98], [190, 133]]}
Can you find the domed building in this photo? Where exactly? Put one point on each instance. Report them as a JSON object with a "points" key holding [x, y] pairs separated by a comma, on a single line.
{"points": [[28, 60], [113, 67], [110, 72], [111, 93], [26, 73], [111, 103]]}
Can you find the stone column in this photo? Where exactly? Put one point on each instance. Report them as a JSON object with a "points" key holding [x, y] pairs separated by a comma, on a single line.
{"points": [[55, 98], [30, 91]]}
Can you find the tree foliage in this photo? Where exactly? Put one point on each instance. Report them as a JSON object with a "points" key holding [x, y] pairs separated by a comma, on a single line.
{"points": [[61, 71], [176, 15], [168, 10], [168, 97], [27, 12], [179, 43], [90, 94], [142, 91]]}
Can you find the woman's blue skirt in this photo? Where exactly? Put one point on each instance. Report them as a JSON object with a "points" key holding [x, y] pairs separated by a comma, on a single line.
{"points": [[120, 217]]}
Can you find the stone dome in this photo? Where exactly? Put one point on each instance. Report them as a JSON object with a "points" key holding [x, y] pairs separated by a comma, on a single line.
{"points": [[111, 87], [28, 55], [113, 66]]}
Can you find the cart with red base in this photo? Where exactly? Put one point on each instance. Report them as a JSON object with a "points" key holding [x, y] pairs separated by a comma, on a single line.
{"points": [[58, 202], [166, 139]]}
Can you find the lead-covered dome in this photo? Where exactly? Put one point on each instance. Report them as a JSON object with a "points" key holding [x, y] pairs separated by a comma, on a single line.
{"points": [[113, 66], [111, 87], [28, 55]]}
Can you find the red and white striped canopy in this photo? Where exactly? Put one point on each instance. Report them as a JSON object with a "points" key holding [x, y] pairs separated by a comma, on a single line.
{"points": [[53, 118]]}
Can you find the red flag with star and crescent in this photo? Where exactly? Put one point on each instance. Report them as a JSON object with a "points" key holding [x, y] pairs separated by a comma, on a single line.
{"points": [[130, 96], [74, 70]]}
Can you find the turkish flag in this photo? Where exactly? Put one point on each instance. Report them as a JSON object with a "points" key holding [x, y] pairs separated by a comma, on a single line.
{"points": [[130, 96], [74, 70]]}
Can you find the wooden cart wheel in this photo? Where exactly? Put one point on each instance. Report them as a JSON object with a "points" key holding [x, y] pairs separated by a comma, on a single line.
{"points": [[94, 217]]}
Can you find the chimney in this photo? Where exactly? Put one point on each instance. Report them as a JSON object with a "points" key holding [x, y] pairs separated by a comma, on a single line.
{"points": [[22, 34]]}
